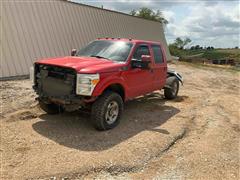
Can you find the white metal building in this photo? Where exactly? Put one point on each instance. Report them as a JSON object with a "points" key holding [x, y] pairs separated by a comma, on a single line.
{"points": [[32, 30]]}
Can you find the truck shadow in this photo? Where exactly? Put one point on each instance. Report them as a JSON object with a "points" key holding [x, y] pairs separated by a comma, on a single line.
{"points": [[74, 130]]}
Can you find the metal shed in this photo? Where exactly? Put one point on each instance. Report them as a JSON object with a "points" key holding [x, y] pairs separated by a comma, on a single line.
{"points": [[32, 30]]}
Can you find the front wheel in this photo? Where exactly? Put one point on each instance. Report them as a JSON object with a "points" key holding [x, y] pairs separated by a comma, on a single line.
{"points": [[107, 110], [171, 91]]}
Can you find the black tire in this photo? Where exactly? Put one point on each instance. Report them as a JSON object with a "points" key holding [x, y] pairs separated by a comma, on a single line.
{"points": [[171, 91], [50, 108], [101, 107]]}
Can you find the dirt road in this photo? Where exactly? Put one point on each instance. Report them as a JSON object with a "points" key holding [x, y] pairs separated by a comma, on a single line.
{"points": [[195, 136]]}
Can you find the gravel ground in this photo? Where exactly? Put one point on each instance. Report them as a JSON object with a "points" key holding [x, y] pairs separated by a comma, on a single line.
{"points": [[195, 136]]}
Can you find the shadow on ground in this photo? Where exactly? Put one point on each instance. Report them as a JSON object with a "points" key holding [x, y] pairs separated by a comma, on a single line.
{"points": [[74, 130]]}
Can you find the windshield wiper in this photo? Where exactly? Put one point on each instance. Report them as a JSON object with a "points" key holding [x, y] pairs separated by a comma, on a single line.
{"points": [[101, 57]]}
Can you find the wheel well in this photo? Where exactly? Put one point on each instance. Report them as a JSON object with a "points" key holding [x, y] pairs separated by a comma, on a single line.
{"points": [[176, 75], [118, 88], [170, 74]]}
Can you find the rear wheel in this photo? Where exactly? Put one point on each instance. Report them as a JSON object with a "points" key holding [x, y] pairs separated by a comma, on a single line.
{"points": [[107, 110], [51, 108], [171, 91]]}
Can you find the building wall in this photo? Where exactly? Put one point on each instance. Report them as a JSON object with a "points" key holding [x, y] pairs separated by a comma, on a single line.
{"points": [[32, 30]]}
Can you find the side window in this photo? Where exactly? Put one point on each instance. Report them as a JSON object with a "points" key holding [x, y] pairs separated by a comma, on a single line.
{"points": [[141, 50], [158, 55]]}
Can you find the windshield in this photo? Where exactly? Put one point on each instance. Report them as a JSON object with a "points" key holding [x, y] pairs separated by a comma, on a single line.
{"points": [[112, 50]]}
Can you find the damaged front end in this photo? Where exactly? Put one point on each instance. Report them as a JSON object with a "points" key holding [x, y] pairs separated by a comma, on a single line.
{"points": [[57, 85]]}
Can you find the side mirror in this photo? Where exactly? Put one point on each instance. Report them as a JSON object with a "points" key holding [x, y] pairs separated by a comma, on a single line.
{"points": [[146, 58], [73, 52], [144, 63]]}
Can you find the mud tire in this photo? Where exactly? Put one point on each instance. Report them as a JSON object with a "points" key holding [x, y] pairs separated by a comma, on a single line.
{"points": [[100, 108], [171, 91]]}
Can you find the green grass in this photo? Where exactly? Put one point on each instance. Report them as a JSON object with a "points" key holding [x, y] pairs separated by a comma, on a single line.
{"points": [[231, 69], [184, 53], [193, 52], [208, 54], [231, 51], [214, 54], [222, 54]]}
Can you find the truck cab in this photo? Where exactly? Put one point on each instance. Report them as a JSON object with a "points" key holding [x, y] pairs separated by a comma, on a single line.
{"points": [[102, 76], [147, 68]]}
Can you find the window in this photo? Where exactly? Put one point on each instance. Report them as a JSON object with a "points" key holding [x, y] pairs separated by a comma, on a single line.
{"points": [[112, 50], [141, 50], [157, 52]]}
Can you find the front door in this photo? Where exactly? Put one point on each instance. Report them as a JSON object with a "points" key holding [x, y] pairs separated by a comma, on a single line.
{"points": [[139, 81]]}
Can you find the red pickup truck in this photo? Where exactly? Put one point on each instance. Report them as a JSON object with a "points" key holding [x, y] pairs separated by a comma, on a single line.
{"points": [[102, 76]]}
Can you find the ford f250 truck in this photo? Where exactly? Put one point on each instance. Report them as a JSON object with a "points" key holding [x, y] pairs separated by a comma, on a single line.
{"points": [[102, 76]]}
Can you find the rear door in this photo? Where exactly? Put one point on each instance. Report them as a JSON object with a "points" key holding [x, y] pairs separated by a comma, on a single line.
{"points": [[159, 66]]}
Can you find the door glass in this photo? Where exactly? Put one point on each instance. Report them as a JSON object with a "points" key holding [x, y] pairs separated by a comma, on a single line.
{"points": [[158, 55], [141, 50]]}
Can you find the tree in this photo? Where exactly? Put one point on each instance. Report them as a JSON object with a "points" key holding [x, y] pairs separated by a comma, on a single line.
{"points": [[174, 50], [133, 12], [147, 13], [180, 43], [192, 47], [210, 48], [197, 47]]}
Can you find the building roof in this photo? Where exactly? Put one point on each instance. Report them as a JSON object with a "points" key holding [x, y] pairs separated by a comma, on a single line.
{"points": [[109, 10]]}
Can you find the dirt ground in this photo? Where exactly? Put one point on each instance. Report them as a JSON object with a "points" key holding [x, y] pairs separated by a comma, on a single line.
{"points": [[195, 136]]}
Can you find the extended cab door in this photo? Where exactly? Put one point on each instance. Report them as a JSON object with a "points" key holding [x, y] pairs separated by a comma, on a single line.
{"points": [[139, 81], [159, 66]]}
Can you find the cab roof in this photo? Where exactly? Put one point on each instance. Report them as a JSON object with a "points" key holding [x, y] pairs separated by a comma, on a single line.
{"points": [[129, 40]]}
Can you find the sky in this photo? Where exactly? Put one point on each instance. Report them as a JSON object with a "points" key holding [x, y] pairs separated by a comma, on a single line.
{"points": [[207, 23]]}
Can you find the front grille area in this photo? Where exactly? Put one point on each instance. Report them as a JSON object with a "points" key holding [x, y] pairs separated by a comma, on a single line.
{"points": [[54, 81]]}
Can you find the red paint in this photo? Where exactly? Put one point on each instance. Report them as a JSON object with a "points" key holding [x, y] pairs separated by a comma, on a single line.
{"points": [[135, 81], [86, 65]]}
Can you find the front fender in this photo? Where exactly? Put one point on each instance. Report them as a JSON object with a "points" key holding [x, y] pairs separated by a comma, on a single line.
{"points": [[107, 81]]}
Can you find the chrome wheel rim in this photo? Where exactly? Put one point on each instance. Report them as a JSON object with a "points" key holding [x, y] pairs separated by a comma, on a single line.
{"points": [[112, 112]]}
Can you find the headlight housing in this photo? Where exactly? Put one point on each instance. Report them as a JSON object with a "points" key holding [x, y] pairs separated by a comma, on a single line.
{"points": [[86, 83]]}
